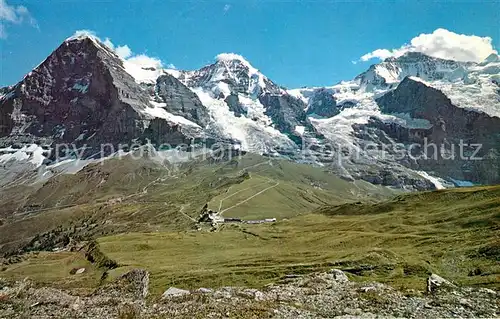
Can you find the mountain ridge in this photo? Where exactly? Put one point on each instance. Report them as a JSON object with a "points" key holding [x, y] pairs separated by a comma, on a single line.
{"points": [[231, 100]]}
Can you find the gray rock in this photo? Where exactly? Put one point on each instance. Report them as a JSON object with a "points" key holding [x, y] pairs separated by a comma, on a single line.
{"points": [[224, 293], [292, 299], [487, 290], [322, 103], [173, 292], [181, 100], [251, 294], [434, 282], [139, 278], [368, 289], [80, 271], [339, 275], [205, 290]]}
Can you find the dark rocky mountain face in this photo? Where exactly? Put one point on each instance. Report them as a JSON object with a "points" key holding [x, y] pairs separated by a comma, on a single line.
{"points": [[451, 126], [71, 92], [81, 94], [235, 106], [181, 100], [322, 103], [286, 111]]}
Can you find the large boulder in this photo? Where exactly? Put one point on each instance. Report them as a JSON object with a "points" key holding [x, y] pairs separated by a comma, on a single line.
{"points": [[339, 275], [131, 285], [435, 282], [173, 292]]}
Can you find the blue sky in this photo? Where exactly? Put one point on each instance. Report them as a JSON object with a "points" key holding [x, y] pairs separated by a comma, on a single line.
{"points": [[294, 43]]}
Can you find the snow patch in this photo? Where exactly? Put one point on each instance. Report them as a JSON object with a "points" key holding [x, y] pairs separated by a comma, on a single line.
{"points": [[254, 136], [221, 87], [301, 94], [83, 88], [80, 137], [254, 109], [300, 129], [143, 69], [32, 153], [158, 110], [434, 180]]}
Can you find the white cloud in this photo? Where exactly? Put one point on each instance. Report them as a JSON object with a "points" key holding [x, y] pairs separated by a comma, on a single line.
{"points": [[442, 44], [145, 61], [106, 41], [141, 66], [10, 14], [381, 54], [123, 51], [85, 33], [144, 68]]}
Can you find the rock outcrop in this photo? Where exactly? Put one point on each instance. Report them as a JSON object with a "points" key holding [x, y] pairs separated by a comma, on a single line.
{"points": [[318, 295], [181, 100], [453, 137]]}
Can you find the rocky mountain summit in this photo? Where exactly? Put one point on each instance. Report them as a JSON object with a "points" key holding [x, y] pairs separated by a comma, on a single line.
{"points": [[82, 94], [252, 103], [319, 295], [409, 102], [374, 127]]}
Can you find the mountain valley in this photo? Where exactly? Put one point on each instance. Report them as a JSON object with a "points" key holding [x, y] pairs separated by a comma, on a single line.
{"points": [[141, 192]]}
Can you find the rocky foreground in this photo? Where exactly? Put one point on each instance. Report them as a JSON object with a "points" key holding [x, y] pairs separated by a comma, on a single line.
{"points": [[319, 295]]}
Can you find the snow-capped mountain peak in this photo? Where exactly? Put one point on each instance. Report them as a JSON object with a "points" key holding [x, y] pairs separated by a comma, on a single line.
{"points": [[94, 40], [393, 70], [230, 74], [492, 58], [89, 94], [81, 35], [246, 105], [235, 58]]}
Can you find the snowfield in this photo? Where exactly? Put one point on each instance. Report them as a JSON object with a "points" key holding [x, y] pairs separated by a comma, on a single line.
{"points": [[256, 136], [159, 110]]}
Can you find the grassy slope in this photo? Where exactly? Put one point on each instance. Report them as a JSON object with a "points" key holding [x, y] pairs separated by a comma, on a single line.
{"points": [[448, 232], [280, 189], [53, 269], [156, 198]]}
